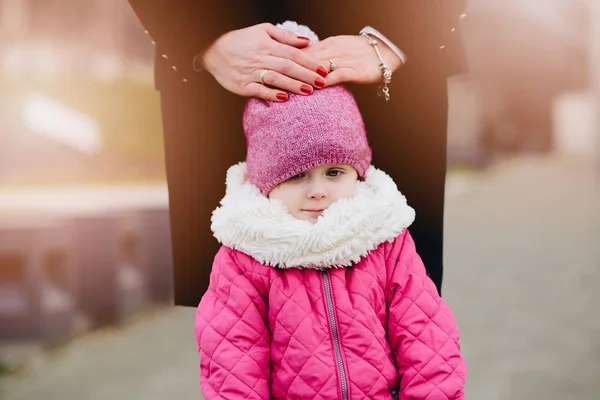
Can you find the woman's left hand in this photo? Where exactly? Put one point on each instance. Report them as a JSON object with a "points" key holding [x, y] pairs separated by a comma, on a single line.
{"points": [[355, 58]]}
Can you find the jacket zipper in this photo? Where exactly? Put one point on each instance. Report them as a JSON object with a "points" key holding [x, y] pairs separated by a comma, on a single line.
{"points": [[336, 339]]}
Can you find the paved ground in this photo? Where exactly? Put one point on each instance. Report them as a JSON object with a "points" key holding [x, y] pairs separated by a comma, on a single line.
{"points": [[522, 261]]}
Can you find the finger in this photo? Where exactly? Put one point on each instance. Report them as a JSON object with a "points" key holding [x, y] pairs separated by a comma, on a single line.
{"points": [[301, 58], [280, 81], [299, 74], [338, 76], [254, 89], [285, 36]]}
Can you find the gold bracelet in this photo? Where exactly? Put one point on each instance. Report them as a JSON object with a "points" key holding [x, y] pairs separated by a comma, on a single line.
{"points": [[385, 69]]}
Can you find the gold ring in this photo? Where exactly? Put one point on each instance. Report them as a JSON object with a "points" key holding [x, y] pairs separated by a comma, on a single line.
{"points": [[332, 66], [262, 76]]}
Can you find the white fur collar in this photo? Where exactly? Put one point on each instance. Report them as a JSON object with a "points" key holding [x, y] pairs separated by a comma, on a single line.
{"points": [[349, 229]]}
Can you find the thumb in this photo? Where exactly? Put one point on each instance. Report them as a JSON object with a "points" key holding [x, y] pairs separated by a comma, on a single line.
{"points": [[286, 36]]}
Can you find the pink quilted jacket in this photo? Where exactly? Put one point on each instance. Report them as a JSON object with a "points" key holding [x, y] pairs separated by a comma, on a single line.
{"points": [[291, 315]]}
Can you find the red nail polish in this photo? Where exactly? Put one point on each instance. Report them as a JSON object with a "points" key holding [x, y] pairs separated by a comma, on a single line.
{"points": [[322, 71], [303, 38], [306, 89], [282, 96], [320, 83]]}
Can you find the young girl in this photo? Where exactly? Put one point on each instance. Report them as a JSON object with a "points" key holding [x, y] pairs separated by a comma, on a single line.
{"points": [[317, 291]]}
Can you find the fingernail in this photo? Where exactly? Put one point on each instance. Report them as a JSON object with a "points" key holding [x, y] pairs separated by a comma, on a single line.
{"points": [[320, 83], [303, 38], [282, 96], [322, 71], [306, 89]]}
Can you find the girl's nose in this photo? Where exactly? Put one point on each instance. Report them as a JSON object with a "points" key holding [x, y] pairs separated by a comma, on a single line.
{"points": [[317, 191]]}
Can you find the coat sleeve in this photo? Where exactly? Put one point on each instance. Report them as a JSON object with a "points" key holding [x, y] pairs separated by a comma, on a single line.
{"points": [[422, 331], [183, 28], [231, 334], [428, 30]]}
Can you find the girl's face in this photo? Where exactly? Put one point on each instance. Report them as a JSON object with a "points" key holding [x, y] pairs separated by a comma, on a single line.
{"points": [[308, 194]]}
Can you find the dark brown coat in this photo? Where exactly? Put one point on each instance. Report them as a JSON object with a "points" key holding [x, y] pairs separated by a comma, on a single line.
{"points": [[202, 121]]}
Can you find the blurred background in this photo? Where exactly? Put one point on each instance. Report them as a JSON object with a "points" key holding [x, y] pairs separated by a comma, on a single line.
{"points": [[85, 263]]}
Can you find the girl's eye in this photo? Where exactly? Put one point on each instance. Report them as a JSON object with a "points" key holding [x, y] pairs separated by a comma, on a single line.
{"points": [[334, 172], [301, 175]]}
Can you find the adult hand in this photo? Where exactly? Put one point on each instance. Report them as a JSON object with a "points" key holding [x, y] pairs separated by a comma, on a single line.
{"points": [[237, 59], [356, 59]]}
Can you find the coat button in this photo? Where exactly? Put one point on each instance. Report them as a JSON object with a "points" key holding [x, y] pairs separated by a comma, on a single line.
{"points": [[165, 56], [184, 80], [174, 68], [463, 15], [442, 47]]}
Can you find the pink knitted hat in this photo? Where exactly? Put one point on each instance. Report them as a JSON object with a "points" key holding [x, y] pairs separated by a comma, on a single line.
{"points": [[287, 138]]}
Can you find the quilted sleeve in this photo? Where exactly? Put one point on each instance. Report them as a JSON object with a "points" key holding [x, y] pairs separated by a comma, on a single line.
{"points": [[232, 338], [422, 331]]}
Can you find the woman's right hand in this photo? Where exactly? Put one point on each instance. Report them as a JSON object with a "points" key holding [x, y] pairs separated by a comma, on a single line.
{"points": [[237, 59]]}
